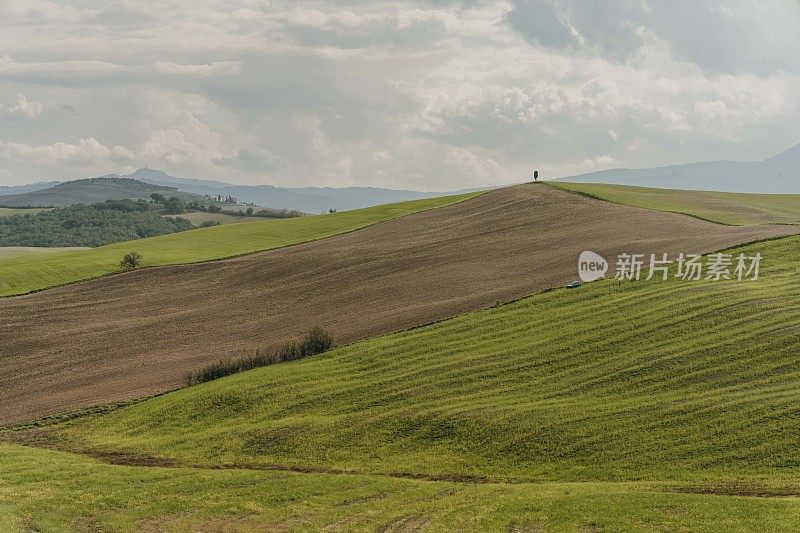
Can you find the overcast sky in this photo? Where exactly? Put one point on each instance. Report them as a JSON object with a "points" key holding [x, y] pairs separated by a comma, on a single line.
{"points": [[427, 95]]}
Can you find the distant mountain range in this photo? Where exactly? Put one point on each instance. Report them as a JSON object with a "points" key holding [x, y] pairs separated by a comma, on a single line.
{"points": [[778, 174], [113, 186], [306, 199]]}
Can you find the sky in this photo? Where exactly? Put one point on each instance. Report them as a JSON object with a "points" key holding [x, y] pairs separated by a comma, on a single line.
{"points": [[429, 95]]}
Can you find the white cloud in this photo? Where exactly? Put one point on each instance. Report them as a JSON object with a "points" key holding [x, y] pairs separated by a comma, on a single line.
{"points": [[321, 154], [407, 94], [217, 68], [24, 107], [86, 153], [746, 35], [189, 141], [9, 67]]}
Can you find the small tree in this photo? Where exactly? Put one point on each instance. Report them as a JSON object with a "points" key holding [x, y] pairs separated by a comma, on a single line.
{"points": [[158, 197], [131, 261], [175, 206], [249, 211]]}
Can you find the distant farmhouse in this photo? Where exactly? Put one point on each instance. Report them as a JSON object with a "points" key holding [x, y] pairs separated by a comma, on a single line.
{"points": [[225, 199]]}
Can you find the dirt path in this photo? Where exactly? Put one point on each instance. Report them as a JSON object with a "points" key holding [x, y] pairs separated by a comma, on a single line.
{"points": [[51, 439], [139, 334]]}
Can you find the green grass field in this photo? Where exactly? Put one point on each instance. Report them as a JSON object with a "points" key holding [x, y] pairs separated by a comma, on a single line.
{"points": [[7, 252], [198, 217], [85, 495], [9, 211], [722, 207], [600, 408], [26, 274]]}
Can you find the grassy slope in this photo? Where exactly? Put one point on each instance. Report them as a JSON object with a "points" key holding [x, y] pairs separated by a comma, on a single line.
{"points": [[605, 397], [662, 380], [723, 207], [7, 252], [198, 217], [26, 274], [82, 494]]}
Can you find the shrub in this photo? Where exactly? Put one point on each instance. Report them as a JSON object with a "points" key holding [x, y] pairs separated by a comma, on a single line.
{"points": [[215, 371], [278, 213], [209, 223], [175, 206], [289, 351], [316, 341], [131, 260]]}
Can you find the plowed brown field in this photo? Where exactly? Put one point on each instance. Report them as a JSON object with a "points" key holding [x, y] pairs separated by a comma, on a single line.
{"points": [[137, 334]]}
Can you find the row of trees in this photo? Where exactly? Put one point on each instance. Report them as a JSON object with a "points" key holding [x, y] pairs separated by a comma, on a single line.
{"points": [[177, 206], [268, 213]]}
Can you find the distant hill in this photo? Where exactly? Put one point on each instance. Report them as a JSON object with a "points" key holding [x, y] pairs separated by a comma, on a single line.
{"points": [[306, 199], [91, 190], [6, 190], [778, 174]]}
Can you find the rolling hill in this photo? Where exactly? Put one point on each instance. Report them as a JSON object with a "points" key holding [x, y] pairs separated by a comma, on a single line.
{"points": [[595, 409], [91, 190], [35, 274], [726, 208], [161, 323], [603, 384], [18, 189], [778, 174]]}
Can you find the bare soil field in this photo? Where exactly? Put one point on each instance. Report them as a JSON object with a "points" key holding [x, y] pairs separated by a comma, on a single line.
{"points": [[138, 334]]}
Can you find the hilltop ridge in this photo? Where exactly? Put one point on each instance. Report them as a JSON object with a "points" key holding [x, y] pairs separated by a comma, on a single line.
{"points": [[90, 190]]}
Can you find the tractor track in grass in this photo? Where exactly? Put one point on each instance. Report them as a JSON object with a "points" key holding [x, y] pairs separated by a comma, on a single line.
{"points": [[49, 439]]}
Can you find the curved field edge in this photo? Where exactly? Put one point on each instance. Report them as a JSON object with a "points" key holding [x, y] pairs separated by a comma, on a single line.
{"points": [[691, 381], [84, 494], [28, 274], [734, 209]]}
